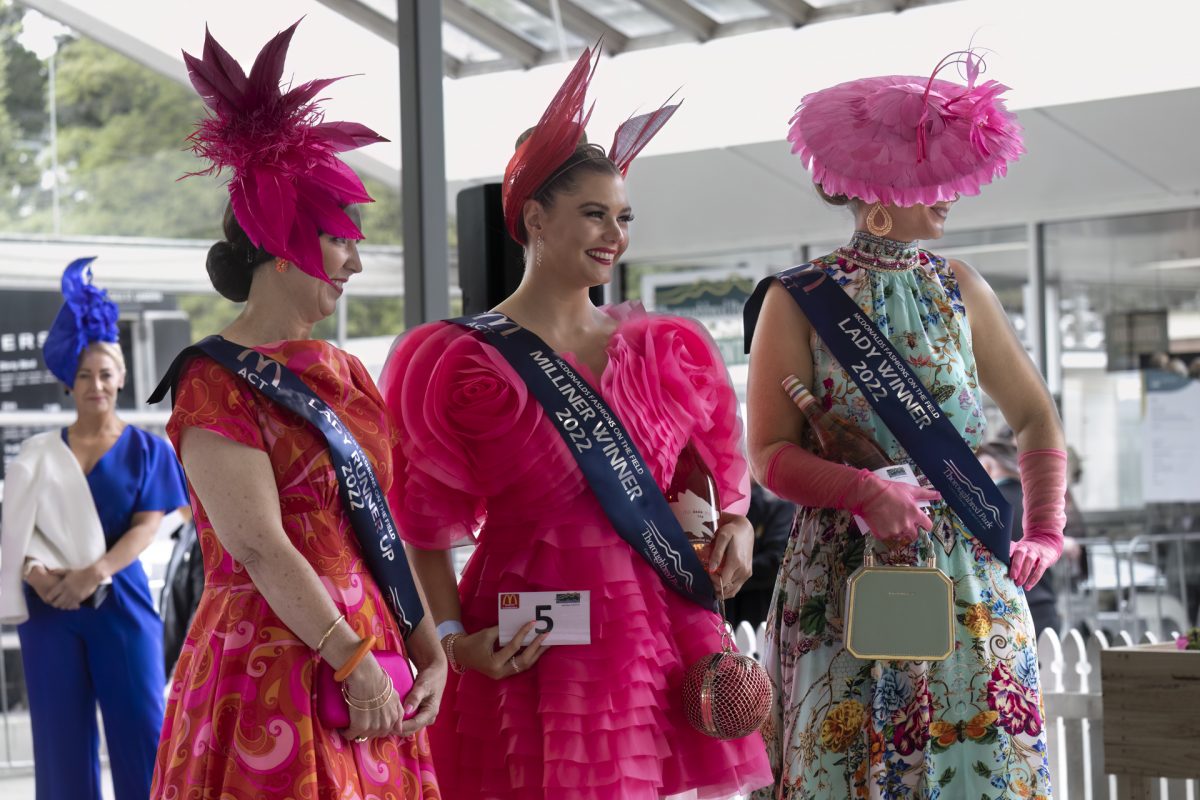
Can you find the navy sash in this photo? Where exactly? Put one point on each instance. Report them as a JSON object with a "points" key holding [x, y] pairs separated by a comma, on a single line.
{"points": [[900, 399], [606, 455], [362, 496]]}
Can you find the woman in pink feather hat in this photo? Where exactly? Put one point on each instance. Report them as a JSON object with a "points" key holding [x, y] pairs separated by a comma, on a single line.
{"points": [[899, 152]]}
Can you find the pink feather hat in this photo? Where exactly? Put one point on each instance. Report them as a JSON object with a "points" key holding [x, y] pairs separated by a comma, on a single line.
{"points": [[288, 185], [902, 140]]}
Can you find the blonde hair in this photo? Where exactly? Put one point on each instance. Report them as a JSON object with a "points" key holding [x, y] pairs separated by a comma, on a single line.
{"points": [[110, 349]]}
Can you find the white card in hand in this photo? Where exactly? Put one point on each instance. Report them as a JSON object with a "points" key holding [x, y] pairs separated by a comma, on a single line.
{"points": [[901, 473], [566, 615]]}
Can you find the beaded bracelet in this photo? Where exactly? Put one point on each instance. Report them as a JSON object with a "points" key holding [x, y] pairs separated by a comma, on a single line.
{"points": [[448, 646], [329, 632], [352, 663]]}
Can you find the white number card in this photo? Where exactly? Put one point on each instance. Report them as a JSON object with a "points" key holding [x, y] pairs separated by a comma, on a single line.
{"points": [[566, 616], [901, 473]]}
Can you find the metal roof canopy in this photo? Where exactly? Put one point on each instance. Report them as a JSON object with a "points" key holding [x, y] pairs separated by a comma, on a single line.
{"points": [[736, 188], [498, 35]]}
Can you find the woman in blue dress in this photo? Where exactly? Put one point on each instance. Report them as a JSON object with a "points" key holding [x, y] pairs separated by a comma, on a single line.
{"points": [[69, 571]]}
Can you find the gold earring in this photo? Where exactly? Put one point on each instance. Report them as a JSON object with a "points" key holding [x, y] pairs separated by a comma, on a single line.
{"points": [[537, 256], [281, 265], [883, 226]]}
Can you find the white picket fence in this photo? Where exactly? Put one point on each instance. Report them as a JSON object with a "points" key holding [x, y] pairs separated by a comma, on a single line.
{"points": [[1071, 689]]}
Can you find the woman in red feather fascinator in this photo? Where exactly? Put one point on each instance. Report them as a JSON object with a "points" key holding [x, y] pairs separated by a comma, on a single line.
{"points": [[595, 711], [294, 680], [899, 151]]}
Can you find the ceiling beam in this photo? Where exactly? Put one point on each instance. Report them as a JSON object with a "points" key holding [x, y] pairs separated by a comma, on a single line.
{"points": [[491, 33], [365, 17], [683, 16], [796, 12], [585, 25]]}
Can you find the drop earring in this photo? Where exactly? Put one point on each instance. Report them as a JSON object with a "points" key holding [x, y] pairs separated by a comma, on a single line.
{"points": [[537, 251], [281, 265], [882, 226]]}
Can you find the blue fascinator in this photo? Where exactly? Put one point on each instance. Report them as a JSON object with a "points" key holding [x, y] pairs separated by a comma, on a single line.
{"points": [[87, 316]]}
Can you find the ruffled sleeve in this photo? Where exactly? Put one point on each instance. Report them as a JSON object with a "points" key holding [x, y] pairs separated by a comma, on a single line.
{"points": [[163, 487], [209, 396], [458, 410], [669, 371]]}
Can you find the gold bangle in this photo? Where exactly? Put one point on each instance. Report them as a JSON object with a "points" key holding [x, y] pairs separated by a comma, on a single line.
{"points": [[448, 646], [379, 698], [375, 703], [329, 632], [353, 661]]}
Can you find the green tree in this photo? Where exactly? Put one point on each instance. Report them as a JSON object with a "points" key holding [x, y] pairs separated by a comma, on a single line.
{"points": [[22, 91]]}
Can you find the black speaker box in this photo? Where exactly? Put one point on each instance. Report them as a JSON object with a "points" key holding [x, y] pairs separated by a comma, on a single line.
{"points": [[490, 263]]}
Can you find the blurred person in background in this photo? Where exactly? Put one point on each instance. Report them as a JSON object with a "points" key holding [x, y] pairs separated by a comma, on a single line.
{"points": [[80, 505], [772, 518], [183, 582]]}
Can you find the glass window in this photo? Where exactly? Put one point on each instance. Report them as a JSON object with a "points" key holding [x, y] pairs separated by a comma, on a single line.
{"points": [[1099, 269], [726, 11], [464, 47], [628, 17], [521, 19]]}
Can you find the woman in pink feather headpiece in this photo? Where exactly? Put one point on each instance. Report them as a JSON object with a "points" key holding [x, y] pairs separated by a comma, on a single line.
{"points": [[899, 151], [484, 463], [292, 590]]}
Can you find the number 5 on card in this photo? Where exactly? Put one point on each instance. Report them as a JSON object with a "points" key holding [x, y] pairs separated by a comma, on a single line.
{"points": [[565, 616]]}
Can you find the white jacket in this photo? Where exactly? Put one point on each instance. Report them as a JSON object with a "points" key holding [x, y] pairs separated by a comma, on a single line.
{"points": [[49, 515]]}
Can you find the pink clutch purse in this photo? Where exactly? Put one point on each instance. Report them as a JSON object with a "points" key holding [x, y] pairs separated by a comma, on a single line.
{"points": [[332, 710]]}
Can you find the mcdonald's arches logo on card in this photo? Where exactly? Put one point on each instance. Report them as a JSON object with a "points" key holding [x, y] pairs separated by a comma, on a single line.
{"points": [[510, 600]]}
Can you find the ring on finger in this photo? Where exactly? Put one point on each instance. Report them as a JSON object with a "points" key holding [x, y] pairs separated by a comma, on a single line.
{"points": [[360, 739], [516, 667]]}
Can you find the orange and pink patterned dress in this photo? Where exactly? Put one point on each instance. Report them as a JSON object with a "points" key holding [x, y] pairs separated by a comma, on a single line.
{"points": [[240, 721]]}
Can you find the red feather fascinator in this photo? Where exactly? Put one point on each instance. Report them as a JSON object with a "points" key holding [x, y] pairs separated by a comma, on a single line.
{"points": [[559, 132], [288, 185]]}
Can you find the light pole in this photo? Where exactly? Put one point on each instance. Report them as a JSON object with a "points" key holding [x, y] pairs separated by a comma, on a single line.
{"points": [[55, 213], [40, 35]]}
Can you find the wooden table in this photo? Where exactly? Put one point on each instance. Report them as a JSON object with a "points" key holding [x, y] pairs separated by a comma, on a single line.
{"points": [[1151, 715]]}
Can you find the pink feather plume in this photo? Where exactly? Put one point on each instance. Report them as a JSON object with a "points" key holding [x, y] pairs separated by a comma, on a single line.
{"points": [[287, 186]]}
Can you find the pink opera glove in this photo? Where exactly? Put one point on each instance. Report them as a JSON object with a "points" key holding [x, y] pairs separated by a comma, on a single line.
{"points": [[1044, 492], [890, 508]]}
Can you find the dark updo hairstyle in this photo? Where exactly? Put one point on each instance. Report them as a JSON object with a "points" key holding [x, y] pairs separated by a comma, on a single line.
{"points": [[232, 261], [565, 179], [831, 199]]}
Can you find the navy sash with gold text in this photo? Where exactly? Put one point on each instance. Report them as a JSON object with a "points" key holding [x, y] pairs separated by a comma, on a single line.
{"points": [[363, 498], [606, 455]]}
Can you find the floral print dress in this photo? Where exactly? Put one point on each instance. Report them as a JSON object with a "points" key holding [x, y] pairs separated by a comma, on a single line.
{"points": [[968, 728]]}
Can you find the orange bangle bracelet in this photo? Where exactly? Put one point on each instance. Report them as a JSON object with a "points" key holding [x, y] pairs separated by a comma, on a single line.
{"points": [[352, 663]]}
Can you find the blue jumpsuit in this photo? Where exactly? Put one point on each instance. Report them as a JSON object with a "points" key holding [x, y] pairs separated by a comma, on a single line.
{"points": [[111, 654]]}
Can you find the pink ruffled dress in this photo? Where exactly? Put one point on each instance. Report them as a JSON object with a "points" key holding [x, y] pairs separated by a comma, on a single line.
{"points": [[478, 460]]}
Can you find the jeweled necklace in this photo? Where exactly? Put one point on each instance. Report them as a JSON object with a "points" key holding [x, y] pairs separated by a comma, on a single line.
{"points": [[874, 252]]}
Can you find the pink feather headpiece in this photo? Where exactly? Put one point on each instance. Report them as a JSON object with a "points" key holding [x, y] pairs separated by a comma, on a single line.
{"points": [[288, 185], [559, 132], [905, 141]]}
